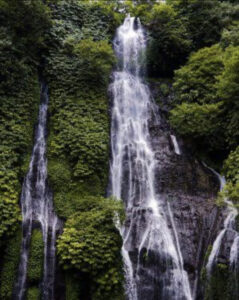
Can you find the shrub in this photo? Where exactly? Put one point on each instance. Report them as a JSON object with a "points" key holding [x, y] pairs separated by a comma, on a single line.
{"points": [[96, 60], [196, 81], [194, 119], [36, 257], [91, 244]]}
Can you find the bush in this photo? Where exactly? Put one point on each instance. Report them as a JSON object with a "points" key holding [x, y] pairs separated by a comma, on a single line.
{"points": [[59, 174], [96, 60], [196, 120], [36, 257], [231, 171], [231, 166], [91, 244], [196, 81]]}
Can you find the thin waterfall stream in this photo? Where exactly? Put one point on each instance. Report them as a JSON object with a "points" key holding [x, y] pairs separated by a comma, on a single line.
{"points": [[151, 251], [228, 225], [37, 210]]}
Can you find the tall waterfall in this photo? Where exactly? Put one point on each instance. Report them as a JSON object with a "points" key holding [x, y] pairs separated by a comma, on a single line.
{"points": [[37, 210], [151, 251]]}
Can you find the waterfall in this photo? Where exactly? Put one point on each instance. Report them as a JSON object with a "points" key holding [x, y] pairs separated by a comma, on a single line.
{"points": [[37, 210], [151, 252], [175, 144], [229, 225]]}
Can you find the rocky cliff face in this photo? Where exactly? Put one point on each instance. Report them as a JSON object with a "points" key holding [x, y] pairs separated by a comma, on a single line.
{"points": [[188, 191]]}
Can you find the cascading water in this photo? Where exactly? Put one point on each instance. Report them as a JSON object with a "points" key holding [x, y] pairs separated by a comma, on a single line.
{"points": [[229, 225], [175, 144], [37, 210], [151, 252]]}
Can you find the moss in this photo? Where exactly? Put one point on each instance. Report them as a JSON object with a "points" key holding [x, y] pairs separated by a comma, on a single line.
{"points": [[33, 293], [36, 257], [10, 266], [221, 285]]}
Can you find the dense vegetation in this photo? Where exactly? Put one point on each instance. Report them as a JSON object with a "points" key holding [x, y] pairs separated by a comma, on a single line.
{"points": [[193, 44]]}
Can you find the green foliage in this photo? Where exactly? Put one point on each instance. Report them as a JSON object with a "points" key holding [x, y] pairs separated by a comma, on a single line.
{"points": [[33, 293], [78, 150], [59, 174], [205, 20], [36, 257], [221, 285], [228, 91], [164, 88], [230, 36], [19, 93], [10, 265], [209, 80], [200, 122], [231, 166], [28, 22], [196, 81], [110, 9], [91, 243], [78, 72], [231, 170], [195, 119], [97, 59], [18, 114], [169, 42]]}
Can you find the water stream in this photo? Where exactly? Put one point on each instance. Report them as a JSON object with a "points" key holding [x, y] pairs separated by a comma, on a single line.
{"points": [[37, 210], [228, 225], [175, 144], [151, 250]]}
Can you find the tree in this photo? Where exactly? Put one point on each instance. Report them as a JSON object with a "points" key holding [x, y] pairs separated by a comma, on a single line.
{"points": [[202, 19], [196, 81], [169, 42]]}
